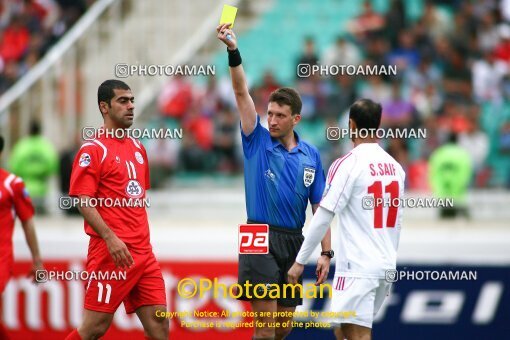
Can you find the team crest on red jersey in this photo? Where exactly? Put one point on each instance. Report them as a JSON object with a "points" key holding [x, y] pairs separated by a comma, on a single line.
{"points": [[134, 189]]}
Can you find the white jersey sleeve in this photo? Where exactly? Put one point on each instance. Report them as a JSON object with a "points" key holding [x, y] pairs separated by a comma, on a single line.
{"points": [[315, 233], [339, 184]]}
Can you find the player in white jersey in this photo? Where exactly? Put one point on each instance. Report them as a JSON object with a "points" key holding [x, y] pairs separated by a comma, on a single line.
{"points": [[363, 188]]}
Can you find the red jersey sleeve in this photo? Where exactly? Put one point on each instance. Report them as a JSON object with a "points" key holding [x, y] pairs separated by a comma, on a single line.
{"points": [[86, 170], [147, 172], [22, 202]]}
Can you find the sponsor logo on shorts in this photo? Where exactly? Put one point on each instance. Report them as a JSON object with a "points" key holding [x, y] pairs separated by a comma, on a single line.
{"points": [[253, 239]]}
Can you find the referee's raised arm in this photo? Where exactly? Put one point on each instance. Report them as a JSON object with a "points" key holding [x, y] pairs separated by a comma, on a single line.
{"points": [[244, 101]]}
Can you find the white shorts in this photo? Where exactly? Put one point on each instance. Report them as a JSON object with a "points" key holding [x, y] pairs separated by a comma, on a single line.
{"points": [[357, 300]]}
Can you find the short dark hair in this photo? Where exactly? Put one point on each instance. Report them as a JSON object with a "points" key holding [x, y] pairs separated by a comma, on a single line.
{"points": [[453, 138], [35, 128], [366, 114], [287, 96], [105, 91], [1, 143]]}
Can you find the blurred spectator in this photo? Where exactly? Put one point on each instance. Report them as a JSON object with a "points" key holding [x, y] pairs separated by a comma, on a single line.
{"points": [[225, 147], [71, 11], [427, 102], [416, 176], [504, 6], [435, 137], [210, 100], [9, 76], [504, 139], [14, 40], [163, 156], [476, 143], [197, 142], [340, 95], [397, 112], [45, 13], [28, 28], [376, 89], [453, 118], [200, 127], [376, 51], [261, 93], [176, 98], [502, 50], [395, 21], [398, 149], [437, 21], [342, 52], [367, 24], [66, 160], [35, 159], [487, 34], [457, 77], [463, 35], [423, 39], [450, 174], [420, 77], [311, 92], [488, 74], [226, 94], [406, 54], [309, 55]]}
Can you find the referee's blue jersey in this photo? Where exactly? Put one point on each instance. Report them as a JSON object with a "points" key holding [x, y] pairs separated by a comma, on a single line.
{"points": [[278, 183]]}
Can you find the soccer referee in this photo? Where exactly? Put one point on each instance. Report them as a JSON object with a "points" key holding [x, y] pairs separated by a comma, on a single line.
{"points": [[282, 173]]}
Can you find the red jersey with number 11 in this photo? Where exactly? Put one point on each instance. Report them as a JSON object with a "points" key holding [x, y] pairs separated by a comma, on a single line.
{"points": [[116, 169]]}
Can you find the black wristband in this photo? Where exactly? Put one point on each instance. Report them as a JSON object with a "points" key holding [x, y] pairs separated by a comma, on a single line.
{"points": [[234, 58]]}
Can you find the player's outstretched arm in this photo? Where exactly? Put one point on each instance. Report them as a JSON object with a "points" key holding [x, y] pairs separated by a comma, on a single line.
{"points": [[30, 236], [244, 101], [117, 248]]}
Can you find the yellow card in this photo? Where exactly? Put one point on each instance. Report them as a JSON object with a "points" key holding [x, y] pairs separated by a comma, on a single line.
{"points": [[228, 15]]}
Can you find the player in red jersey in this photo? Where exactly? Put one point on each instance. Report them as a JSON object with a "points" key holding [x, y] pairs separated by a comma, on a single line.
{"points": [[117, 168], [14, 201]]}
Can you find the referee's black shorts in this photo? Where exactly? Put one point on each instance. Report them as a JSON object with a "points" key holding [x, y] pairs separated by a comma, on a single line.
{"points": [[272, 268]]}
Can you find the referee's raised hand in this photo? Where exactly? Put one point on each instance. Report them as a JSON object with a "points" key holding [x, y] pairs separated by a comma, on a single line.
{"points": [[226, 35]]}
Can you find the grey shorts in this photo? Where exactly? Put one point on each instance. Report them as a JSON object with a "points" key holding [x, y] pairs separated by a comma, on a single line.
{"points": [[272, 268]]}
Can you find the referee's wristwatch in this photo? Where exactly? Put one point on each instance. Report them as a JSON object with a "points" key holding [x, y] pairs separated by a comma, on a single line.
{"points": [[328, 253]]}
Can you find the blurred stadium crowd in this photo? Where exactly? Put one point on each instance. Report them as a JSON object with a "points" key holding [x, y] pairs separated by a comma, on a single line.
{"points": [[453, 77], [453, 80], [28, 28]]}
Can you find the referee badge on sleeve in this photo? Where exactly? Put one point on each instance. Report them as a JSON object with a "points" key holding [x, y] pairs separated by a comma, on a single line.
{"points": [[308, 176]]}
